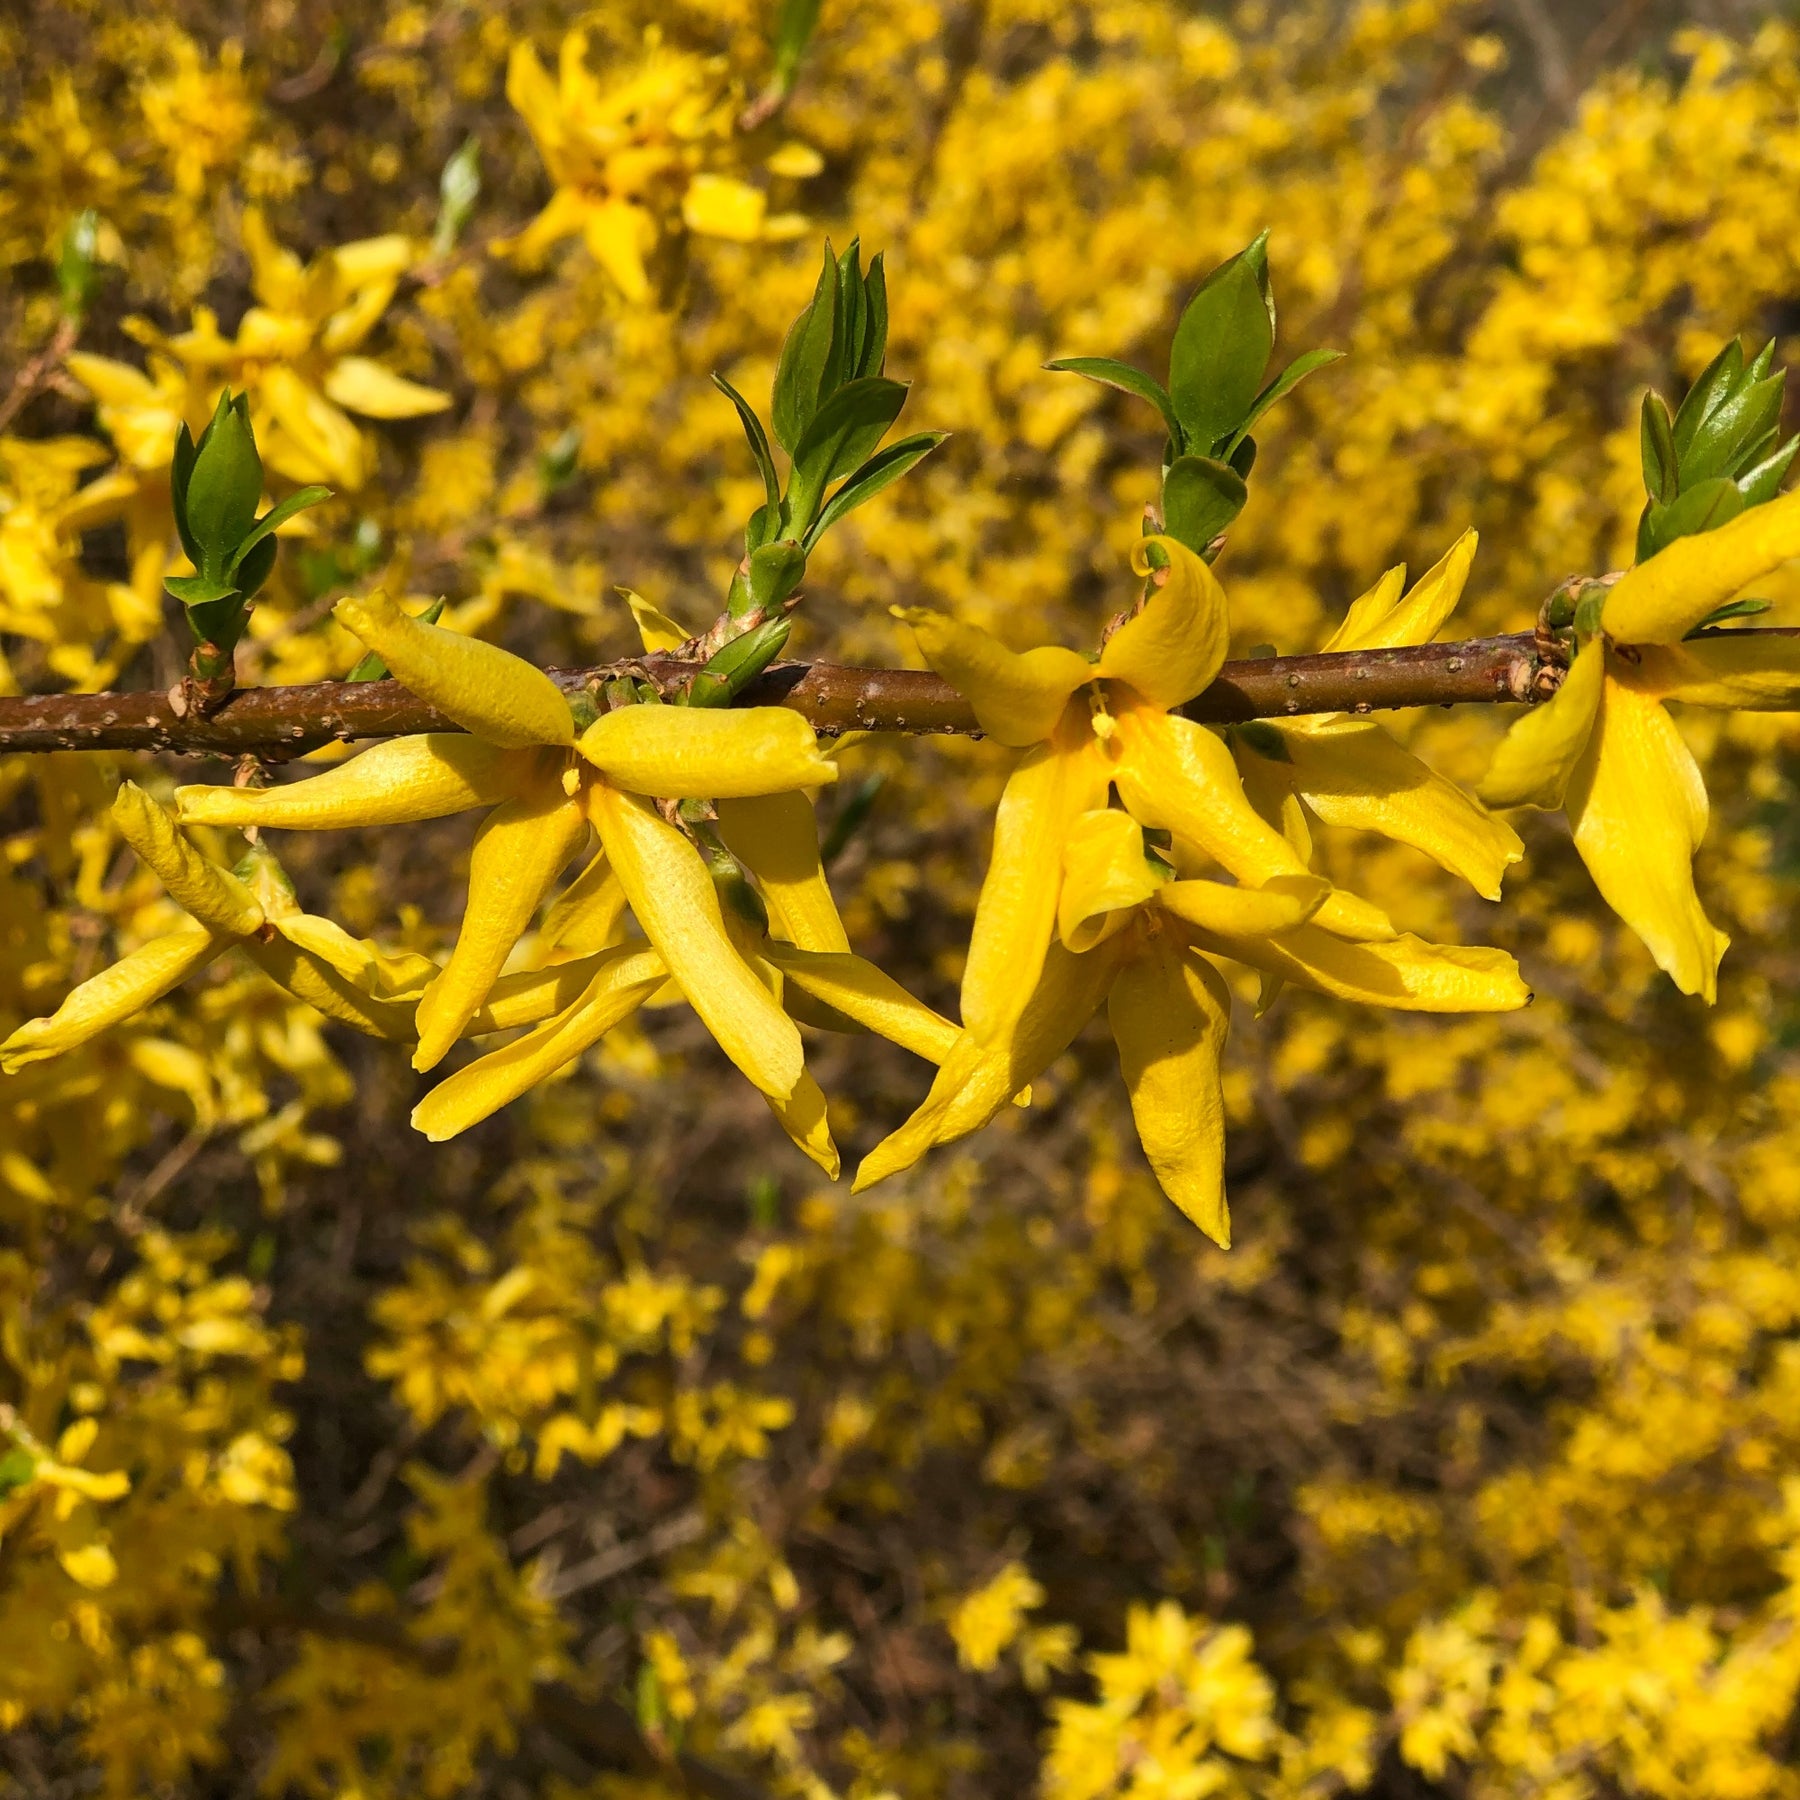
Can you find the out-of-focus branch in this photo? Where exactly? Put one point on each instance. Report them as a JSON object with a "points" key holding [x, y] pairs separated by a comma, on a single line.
{"points": [[284, 721]]}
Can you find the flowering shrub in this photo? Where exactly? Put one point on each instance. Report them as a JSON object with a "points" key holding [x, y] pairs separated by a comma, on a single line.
{"points": [[589, 1440]]}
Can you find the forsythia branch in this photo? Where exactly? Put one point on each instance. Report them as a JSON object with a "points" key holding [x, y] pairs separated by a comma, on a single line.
{"points": [[832, 698]]}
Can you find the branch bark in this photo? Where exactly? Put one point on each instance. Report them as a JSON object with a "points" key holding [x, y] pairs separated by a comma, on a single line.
{"points": [[285, 721]]}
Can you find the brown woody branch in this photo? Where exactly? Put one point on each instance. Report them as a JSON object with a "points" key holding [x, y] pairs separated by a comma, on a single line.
{"points": [[283, 721]]}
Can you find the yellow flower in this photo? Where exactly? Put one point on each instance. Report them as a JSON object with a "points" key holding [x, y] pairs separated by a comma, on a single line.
{"points": [[1135, 937], [1088, 727], [253, 910], [1351, 772], [546, 788], [201, 117], [1605, 750], [295, 353], [626, 157]]}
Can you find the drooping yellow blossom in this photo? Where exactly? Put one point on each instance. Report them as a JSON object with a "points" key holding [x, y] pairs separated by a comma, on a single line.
{"points": [[1090, 727], [253, 910], [546, 788], [1134, 936], [1351, 772], [1605, 750], [628, 156], [297, 353]]}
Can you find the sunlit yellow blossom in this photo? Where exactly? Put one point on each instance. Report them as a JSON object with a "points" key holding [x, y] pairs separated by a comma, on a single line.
{"points": [[627, 156], [1605, 750], [1138, 939], [1090, 727], [1351, 772]]}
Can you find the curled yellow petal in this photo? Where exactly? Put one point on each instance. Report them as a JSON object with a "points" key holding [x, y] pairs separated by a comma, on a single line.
{"points": [[675, 902], [1177, 775], [330, 943], [1287, 901], [621, 980], [1107, 875], [979, 1077], [1743, 671], [398, 782], [485, 689], [1169, 1011], [873, 999], [1173, 648], [114, 995], [1018, 696], [1661, 600], [699, 752], [1638, 809], [776, 837], [213, 895], [519, 851], [1353, 774], [585, 916], [1383, 620], [656, 630], [1537, 756], [802, 1117], [1015, 915], [530, 996], [1403, 972], [308, 977]]}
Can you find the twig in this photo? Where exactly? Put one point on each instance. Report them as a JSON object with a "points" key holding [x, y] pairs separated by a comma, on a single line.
{"points": [[285, 721], [34, 374]]}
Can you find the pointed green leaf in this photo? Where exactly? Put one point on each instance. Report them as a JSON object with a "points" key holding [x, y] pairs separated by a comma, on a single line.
{"points": [[1221, 348], [759, 440], [843, 432], [1200, 498], [852, 320], [1703, 508], [874, 350], [1746, 608], [270, 522], [224, 486], [370, 667], [795, 22], [880, 471], [1656, 446], [1763, 482], [1736, 428], [180, 470], [1283, 384], [799, 374], [776, 570], [1716, 381], [1127, 380]]}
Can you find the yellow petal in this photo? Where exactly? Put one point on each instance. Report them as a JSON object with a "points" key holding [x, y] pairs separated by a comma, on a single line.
{"points": [[1269, 785], [111, 383], [1107, 875], [1403, 972], [485, 689], [1749, 671], [1353, 774], [1638, 809], [1018, 696], [690, 752], [1174, 774], [1173, 648], [330, 442], [1287, 901], [362, 385], [585, 916], [675, 902], [802, 1117], [619, 236], [1661, 600], [616, 989], [978, 1078], [331, 944], [873, 999], [1015, 916], [114, 995], [717, 206], [1382, 621], [215, 897], [1537, 756], [308, 978], [656, 629], [395, 783], [776, 837], [519, 851], [1169, 1011], [530, 996]]}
